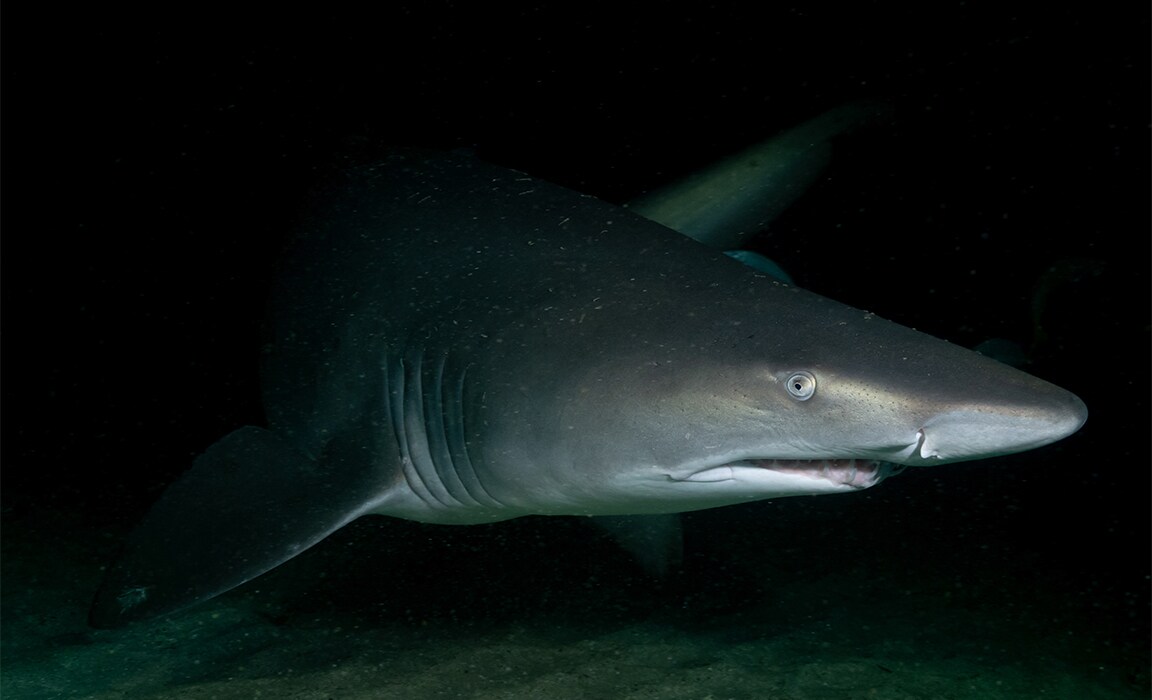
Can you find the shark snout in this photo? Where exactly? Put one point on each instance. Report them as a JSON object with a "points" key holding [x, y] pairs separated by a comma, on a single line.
{"points": [[981, 431]]}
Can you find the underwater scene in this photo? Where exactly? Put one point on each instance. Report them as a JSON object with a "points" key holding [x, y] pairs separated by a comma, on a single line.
{"points": [[557, 353]]}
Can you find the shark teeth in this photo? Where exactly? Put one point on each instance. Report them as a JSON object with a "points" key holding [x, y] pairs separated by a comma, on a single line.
{"points": [[859, 473]]}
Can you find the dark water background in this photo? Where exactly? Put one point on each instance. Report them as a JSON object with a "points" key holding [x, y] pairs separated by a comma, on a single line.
{"points": [[154, 163]]}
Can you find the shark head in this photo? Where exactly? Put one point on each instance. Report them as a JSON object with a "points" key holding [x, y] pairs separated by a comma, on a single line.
{"points": [[738, 388]]}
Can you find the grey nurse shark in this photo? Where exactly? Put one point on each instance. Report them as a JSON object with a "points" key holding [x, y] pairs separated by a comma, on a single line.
{"points": [[455, 342]]}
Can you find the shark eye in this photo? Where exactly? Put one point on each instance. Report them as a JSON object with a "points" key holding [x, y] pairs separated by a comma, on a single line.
{"points": [[801, 385]]}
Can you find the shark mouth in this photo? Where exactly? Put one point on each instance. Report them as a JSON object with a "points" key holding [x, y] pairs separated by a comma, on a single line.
{"points": [[857, 473]]}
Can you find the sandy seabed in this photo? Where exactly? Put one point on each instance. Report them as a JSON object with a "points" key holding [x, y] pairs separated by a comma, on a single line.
{"points": [[778, 600]]}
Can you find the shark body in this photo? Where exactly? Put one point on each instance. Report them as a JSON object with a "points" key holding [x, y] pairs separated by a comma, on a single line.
{"points": [[455, 342]]}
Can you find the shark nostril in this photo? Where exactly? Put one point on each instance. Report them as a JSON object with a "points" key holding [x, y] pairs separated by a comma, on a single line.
{"points": [[921, 439], [923, 448]]}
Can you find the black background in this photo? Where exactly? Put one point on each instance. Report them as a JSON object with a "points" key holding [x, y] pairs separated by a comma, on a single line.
{"points": [[154, 163]]}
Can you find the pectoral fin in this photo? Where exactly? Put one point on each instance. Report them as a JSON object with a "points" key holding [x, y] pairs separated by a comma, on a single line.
{"points": [[249, 503]]}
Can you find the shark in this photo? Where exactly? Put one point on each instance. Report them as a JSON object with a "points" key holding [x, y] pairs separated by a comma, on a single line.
{"points": [[456, 342]]}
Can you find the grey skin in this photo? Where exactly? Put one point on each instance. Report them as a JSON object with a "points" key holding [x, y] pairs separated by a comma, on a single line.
{"points": [[454, 342]]}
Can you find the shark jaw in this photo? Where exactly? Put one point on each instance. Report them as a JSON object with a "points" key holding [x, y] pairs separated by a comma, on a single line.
{"points": [[824, 474]]}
